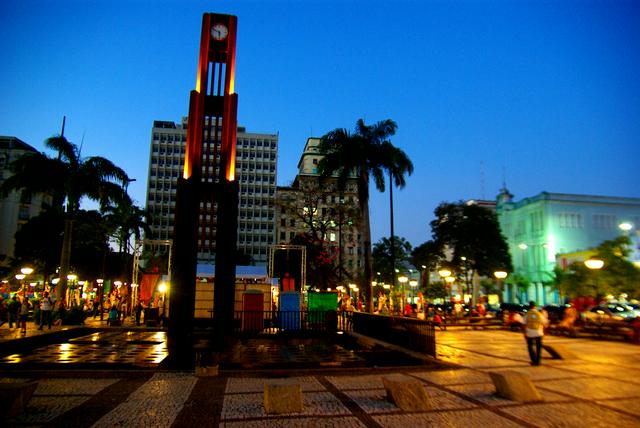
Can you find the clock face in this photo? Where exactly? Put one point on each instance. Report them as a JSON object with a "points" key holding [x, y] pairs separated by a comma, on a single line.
{"points": [[219, 32]]}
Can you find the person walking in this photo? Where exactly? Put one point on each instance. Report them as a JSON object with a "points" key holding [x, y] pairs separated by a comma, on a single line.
{"points": [[46, 306], [24, 314], [534, 322], [14, 309], [139, 309]]}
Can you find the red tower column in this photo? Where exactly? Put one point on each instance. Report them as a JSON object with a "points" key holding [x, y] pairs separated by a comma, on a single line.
{"points": [[208, 189]]}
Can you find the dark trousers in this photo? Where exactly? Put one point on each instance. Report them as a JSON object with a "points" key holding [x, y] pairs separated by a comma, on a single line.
{"points": [[534, 354], [45, 318]]}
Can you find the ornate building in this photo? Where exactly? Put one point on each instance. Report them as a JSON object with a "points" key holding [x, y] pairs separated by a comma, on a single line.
{"points": [[541, 227]]}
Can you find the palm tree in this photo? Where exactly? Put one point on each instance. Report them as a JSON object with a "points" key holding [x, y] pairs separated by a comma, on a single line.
{"points": [[358, 155], [67, 178], [125, 221], [398, 164]]}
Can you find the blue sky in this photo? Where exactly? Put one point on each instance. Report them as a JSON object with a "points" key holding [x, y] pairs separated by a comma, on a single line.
{"points": [[542, 94]]}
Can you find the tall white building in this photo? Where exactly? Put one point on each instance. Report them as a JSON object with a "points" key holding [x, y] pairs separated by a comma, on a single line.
{"points": [[256, 159], [17, 208]]}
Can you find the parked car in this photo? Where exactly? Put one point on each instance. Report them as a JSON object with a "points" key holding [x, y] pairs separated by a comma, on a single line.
{"points": [[512, 307], [635, 307], [555, 313], [601, 314]]}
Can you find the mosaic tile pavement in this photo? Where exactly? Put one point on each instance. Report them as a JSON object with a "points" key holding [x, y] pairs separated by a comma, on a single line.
{"points": [[576, 393], [136, 348]]}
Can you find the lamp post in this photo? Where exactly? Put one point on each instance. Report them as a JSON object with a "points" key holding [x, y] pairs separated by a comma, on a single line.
{"points": [[403, 280], [413, 283], [449, 280], [162, 288], [500, 276], [100, 282], [595, 263], [72, 287], [625, 227]]}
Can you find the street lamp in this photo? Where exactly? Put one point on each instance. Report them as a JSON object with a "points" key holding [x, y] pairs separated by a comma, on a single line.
{"points": [[403, 280], [100, 282], [71, 278], [444, 273], [163, 287], [626, 226], [413, 283], [500, 276], [594, 263]]}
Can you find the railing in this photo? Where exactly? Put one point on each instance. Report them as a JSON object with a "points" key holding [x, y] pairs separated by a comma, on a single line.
{"points": [[417, 335], [278, 322]]}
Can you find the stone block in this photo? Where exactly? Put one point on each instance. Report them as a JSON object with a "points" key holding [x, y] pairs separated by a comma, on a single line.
{"points": [[206, 371], [407, 394], [559, 352], [14, 397], [282, 396], [515, 386]]}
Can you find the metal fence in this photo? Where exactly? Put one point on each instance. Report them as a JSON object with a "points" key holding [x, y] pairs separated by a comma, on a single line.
{"points": [[414, 334], [417, 335], [278, 322]]}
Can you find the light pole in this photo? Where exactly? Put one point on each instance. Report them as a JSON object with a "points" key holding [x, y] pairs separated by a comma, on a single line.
{"points": [[625, 227], [595, 263], [71, 278], [403, 280], [413, 283], [100, 282], [450, 280], [500, 276], [162, 288]]}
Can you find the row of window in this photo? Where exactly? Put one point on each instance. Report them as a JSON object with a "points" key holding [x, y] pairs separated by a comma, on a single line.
{"points": [[181, 137]]}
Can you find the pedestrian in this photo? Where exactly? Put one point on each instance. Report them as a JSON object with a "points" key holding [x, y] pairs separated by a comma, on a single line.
{"points": [[113, 316], [139, 309], [534, 322], [14, 308], [3, 311], [46, 306], [24, 314]]}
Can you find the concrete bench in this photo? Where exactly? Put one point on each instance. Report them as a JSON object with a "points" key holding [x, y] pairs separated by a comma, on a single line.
{"points": [[282, 396], [408, 394], [14, 397]]}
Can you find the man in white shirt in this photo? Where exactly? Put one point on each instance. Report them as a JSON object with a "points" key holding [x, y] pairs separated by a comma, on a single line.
{"points": [[534, 322], [46, 306]]}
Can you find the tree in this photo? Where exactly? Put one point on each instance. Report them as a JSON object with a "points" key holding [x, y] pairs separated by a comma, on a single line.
{"points": [[397, 164], [381, 255], [426, 256], [68, 178], [126, 221], [310, 207], [358, 154], [472, 234]]}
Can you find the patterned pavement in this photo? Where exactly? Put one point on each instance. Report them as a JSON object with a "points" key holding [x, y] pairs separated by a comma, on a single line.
{"points": [[600, 388]]}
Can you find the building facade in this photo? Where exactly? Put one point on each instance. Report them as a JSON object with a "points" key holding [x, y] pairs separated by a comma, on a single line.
{"points": [[541, 227], [17, 208], [256, 160], [318, 208]]}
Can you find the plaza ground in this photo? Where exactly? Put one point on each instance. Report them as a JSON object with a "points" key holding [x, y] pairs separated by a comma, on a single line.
{"points": [[601, 387]]}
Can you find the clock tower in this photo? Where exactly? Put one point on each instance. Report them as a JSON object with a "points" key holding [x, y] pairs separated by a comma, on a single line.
{"points": [[207, 194]]}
